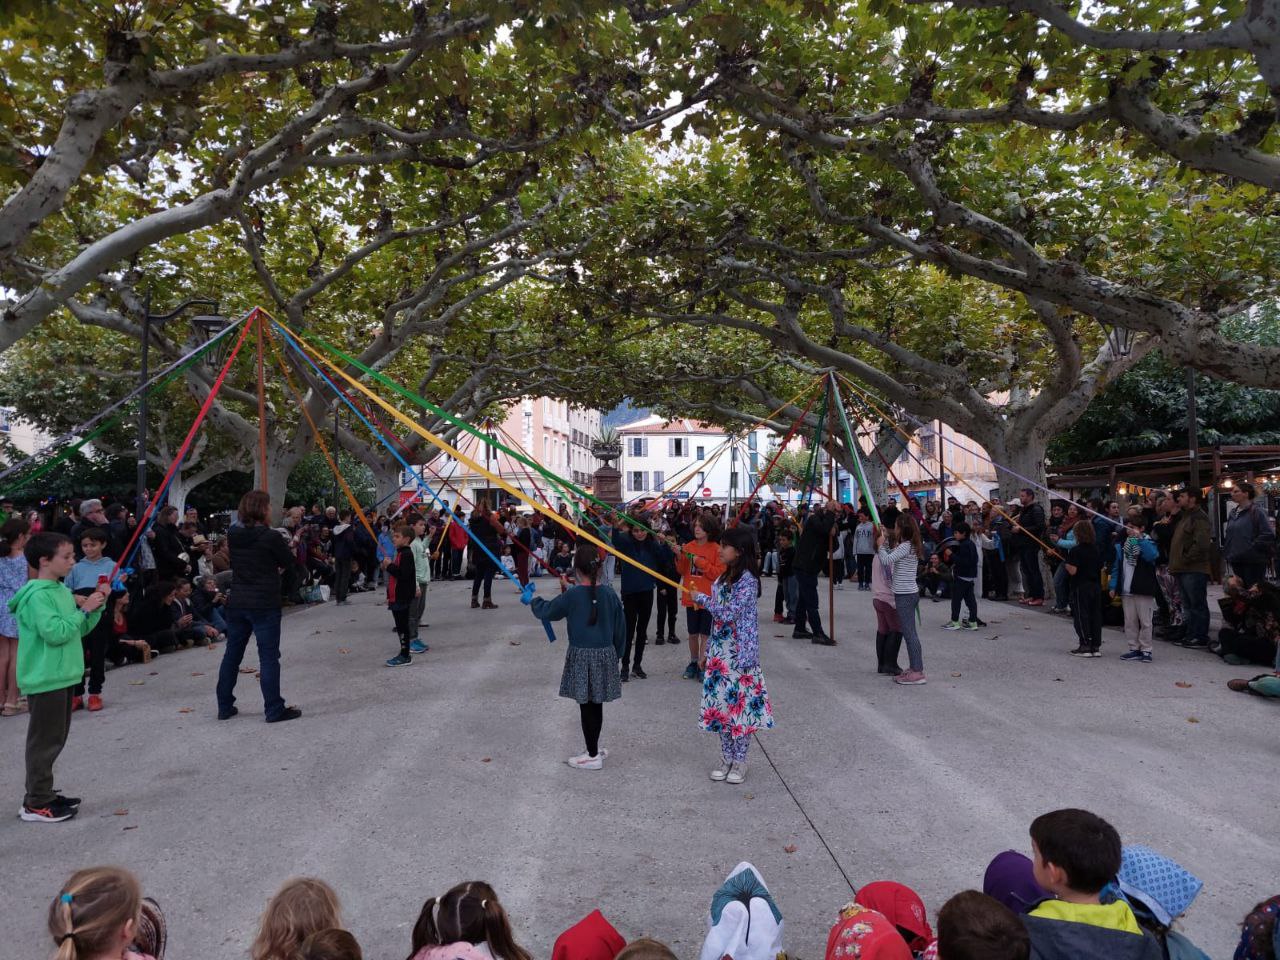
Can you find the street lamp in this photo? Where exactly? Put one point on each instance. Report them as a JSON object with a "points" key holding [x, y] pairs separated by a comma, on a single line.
{"points": [[1120, 340], [205, 325]]}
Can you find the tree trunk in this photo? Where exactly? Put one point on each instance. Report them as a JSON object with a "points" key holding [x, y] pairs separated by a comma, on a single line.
{"points": [[280, 464], [386, 481], [1019, 455]]}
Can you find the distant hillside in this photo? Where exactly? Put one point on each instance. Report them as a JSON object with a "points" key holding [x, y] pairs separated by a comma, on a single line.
{"points": [[623, 414]]}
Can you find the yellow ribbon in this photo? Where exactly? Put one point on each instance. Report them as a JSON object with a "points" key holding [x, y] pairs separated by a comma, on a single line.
{"points": [[458, 455]]}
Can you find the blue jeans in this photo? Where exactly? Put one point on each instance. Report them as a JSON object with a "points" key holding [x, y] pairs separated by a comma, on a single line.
{"points": [[1194, 588], [263, 623]]}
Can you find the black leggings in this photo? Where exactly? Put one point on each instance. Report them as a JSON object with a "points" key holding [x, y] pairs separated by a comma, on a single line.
{"points": [[592, 721], [668, 607], [484, 574], [637, 608]]}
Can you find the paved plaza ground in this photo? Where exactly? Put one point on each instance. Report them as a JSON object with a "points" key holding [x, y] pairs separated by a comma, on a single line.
{"points": [[396, 784]]}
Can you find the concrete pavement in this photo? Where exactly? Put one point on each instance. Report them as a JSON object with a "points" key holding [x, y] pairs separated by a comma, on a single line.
{"points": [[397, 784]]}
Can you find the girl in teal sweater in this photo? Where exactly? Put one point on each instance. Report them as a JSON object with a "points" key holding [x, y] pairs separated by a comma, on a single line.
{"points": [[597, 636]]}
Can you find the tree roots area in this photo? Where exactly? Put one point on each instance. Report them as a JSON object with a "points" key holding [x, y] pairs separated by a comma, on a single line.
{"points": [[398, 783]]}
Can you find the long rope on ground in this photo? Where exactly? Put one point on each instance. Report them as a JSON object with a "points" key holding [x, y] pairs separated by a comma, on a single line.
{"points": [[805, 813]]}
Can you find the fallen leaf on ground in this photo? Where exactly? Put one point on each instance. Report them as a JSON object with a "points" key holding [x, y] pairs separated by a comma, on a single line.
{"points": [[486, 759], [1183, 684], [136, 683], [1058, 680], [248, 670], [186, 710], [154, 673], [134, 827], [749, 796], [1193, 720], [955, 674], [514, 643], [343, 650], [197, 674], [122, 812], [789, 848]]}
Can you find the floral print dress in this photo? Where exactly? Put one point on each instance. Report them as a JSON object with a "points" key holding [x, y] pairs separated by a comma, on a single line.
{"points": [[734, 698]]}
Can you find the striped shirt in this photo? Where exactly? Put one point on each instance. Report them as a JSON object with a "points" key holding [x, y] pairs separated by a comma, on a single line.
{"points": [[904, 563]]}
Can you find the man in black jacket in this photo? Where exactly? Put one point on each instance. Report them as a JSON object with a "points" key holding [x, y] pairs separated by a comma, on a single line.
{"points": [[258, 554], [812, 551], [1031, 521], [169, 550]]}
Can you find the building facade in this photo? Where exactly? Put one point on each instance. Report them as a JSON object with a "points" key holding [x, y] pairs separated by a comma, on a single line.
{"points": [[684, 459], [960, 462], [548, 431]]}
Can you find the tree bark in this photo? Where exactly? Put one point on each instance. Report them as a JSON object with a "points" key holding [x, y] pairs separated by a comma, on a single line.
{"points": [[386, 481]]}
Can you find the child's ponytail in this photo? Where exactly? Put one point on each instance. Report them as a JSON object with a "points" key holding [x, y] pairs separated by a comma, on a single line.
{"points": [[586, 560], [87, 915], [425, 933], [497, 929]]}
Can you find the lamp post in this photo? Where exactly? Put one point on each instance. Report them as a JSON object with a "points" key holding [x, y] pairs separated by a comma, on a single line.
{"points": [[206, 324]]}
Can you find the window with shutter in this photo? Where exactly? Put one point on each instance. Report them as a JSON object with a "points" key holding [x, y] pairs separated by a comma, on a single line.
{"points": [[657, 480], [702, 453]]}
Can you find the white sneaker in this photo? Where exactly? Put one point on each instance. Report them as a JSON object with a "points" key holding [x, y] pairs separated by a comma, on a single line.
{"points": [[585, 761], [737, 773], [721, 772]]}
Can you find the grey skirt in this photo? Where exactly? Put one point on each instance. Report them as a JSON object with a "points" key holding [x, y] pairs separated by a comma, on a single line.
{"points": [[591, 675]]}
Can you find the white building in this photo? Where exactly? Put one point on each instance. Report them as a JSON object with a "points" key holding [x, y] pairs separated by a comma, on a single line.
{"points": [[548, 431], [22, 434], [685, 459]]}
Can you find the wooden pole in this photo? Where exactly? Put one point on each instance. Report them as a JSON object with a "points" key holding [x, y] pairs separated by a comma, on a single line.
{"points": [[831, 488], [262, 415]]}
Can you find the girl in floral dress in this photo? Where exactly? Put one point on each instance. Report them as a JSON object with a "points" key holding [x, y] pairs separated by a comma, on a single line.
{"points": [[735, 703]]}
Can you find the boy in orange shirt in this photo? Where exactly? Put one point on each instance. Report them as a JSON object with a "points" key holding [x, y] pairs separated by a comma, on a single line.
{"points": [[699, 564]]}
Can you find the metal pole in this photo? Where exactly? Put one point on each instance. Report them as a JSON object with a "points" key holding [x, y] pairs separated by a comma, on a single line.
{"points": [[142, 409], [1193, 439]]}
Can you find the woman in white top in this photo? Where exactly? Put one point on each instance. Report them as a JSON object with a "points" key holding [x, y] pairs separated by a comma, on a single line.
{"points": [[904, 561]]}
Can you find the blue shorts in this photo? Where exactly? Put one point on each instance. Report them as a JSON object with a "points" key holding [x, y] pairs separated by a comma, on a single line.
{"points": [[699, 621]]}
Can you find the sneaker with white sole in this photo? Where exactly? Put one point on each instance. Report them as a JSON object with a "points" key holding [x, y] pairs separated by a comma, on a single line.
{"points": [[721, 772], [585, 761], [737, 773], [951, 625], [912, 678], [54, 813], [1133, 656]]}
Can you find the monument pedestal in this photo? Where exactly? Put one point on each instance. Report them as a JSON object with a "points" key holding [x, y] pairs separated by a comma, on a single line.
{"points": [[607, 486]]}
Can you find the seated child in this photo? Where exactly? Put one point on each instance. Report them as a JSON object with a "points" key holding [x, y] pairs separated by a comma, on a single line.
{"points": [[1076, 854], [562, 562], [330, 944], [1159, 891], [468, 916], [508, 561], [1260, 931], [973, 926], [902, 907], [302, 906], [100, 912]]}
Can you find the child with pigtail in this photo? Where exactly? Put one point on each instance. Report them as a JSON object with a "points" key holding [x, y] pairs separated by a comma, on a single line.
{"points": [[100, 912], [467, 923], [597, 638]]}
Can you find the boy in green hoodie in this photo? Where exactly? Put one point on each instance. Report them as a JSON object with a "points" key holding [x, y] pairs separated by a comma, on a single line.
{"points": [[51, 622]]}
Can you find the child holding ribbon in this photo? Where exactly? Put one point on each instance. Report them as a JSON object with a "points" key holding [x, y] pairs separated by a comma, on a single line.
{"points": [[735, 703]]}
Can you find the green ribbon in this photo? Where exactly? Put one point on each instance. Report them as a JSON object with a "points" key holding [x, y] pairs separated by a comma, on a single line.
{"points": [[811, 470], [23, 480], [855, 453]]}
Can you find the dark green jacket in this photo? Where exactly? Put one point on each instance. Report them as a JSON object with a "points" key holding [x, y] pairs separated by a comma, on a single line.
{"points": [[1192, 548]]}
